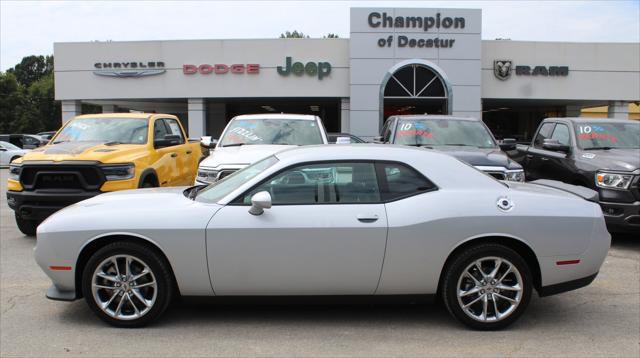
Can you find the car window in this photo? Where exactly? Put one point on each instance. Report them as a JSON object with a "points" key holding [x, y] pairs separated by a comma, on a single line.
{"points": [[544, 133], [159, 129], [386, 131], [561, 134], [327, 183], [29, 140], [402, 181], [173, 128]]}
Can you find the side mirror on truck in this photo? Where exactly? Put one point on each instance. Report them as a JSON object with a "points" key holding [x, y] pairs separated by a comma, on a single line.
{"points": [[555, 146], [208, 142], [507, 144]]}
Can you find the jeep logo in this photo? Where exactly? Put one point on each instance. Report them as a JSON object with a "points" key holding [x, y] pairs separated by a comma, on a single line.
{"points": [[321, 69]]}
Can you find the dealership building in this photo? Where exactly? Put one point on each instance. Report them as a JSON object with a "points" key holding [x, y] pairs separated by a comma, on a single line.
{"points": [[396, 61]]}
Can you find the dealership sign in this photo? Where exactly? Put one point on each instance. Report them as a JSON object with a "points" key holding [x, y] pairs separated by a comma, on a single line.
{"points": [[220, 69], [384, 21], [129, 69], [320, 69], [503, 69]]}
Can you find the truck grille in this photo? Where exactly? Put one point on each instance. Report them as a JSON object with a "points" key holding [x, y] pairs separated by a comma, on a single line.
{"points": [[61, 177], [635, 187]]}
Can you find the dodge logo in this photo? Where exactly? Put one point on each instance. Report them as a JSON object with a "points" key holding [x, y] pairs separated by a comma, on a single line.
{"points": [[502, 69]]}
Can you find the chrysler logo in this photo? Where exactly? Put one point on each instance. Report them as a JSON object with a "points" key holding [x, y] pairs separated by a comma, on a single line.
{"points": [[129, 69], [502, 69]]}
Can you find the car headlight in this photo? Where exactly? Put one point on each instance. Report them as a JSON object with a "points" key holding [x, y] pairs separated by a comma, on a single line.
{"points": [[515, 175], [14, 172], [119, 171], [207, 175], [613, 180]]}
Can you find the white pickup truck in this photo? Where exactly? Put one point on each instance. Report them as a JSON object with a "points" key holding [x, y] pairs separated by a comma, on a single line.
{"points": [[250, 138]]}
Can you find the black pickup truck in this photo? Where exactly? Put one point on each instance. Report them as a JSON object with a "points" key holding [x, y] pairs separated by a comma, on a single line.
{"points": [[601, 154], [467, 139]]}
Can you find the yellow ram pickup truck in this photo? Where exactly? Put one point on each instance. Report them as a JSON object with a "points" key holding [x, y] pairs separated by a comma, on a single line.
{"points": [[96, 153]]}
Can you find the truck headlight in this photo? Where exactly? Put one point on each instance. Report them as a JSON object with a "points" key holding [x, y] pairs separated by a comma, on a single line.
{"points": [[207, 175], [14, 172], [119, 171], [515, 175], [613, 180]]}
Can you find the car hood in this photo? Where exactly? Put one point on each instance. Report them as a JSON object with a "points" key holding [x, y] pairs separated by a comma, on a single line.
{"points": [[131, 210], [489, 157], [91, 151], [241, 155], [613, 159]]}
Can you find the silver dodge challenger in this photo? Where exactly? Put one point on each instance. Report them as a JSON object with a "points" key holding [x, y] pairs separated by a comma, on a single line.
{"points": [[329, 220]]}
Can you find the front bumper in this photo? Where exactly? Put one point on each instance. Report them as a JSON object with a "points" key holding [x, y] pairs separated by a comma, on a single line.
{"points": [[622, 217], [54, 293], [38, 205]]}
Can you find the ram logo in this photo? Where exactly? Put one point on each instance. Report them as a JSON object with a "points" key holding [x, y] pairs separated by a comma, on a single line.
{"points": [[502, 69]]}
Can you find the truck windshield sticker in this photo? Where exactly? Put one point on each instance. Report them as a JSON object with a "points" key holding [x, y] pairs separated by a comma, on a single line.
{"points": [[246, 134], [415, 133], [588, 155]]}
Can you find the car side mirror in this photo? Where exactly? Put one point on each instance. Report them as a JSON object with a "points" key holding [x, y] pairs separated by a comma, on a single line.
{"points": [[343, 140], [168, 141], [555, 146], [208, 142], [507, 144], [259, 202]]}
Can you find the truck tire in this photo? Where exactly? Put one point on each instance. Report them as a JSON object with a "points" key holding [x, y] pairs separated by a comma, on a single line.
{"points": [[27, 227]]}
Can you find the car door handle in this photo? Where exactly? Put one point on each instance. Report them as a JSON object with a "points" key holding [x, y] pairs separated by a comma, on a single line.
{"points": [[367, 218], [189, 152], [529, 156], [173, 155], [544, 159]]}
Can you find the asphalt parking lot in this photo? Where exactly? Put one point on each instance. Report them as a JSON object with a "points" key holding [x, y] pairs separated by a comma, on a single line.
{"points": [[602, 319]]}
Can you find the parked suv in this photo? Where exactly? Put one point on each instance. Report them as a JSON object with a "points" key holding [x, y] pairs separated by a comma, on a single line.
{"points": [[601, 154], [467, 139], [98, 153], [249, 138]]}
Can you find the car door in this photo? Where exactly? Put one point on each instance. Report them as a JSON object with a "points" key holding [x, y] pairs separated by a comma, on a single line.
{"points": [[185, 154], [166, 166], [537, 157], [558, 165], [324, 235]]}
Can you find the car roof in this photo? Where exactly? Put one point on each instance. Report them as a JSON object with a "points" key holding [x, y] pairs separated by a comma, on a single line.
{"points": [[433, 116], [592, 120], [356, 152], [122, 115], [306, 117]]}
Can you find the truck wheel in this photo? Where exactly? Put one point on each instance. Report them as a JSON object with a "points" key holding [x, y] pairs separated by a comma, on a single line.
{"points": [[487, 287], [27, 227], [127, 284]]}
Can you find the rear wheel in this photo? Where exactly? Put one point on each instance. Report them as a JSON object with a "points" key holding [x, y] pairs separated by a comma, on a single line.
{"points": [[487, 286], [127, 284], [27, 227]]}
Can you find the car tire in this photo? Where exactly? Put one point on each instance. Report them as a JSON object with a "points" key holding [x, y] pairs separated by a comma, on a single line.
{"points": [[506, 290], [128, 302], [26, 226]]}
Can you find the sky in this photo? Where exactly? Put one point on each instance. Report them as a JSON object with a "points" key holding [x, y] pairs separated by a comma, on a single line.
{"points": [[31, 27]]}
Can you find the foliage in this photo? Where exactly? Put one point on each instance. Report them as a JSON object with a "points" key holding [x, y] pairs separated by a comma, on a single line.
{"points": [[331, 36], [27, 97], [293, 35]]}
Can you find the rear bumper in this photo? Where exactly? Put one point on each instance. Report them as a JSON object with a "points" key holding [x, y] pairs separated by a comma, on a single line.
{"points": [[566, 286], [38, 205], [622, 217]]}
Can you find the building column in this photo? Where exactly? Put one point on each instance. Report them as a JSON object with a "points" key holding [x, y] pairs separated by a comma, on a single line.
{"points": [[70, 109], [573, 111], [618, 109], [345, 105], [108, 108], [197, 115]]}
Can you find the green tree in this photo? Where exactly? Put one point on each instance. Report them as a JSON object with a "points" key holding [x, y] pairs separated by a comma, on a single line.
{"points": [[32, 68], [331, 36], [11, 99], [293, 35]]}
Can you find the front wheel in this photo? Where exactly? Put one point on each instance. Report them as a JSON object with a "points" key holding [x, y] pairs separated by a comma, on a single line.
{"points": [[127, 284], [487, 286], [27, 227]]}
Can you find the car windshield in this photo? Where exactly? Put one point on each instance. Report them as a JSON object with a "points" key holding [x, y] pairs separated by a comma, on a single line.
{"points": [[440, 132], [8, 146], [608, 135], [272, 131], [222, 188], [105, 130]]}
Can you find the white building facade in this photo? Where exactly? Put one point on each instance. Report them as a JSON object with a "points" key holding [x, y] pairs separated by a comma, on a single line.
{"points": [[396, 61]]}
